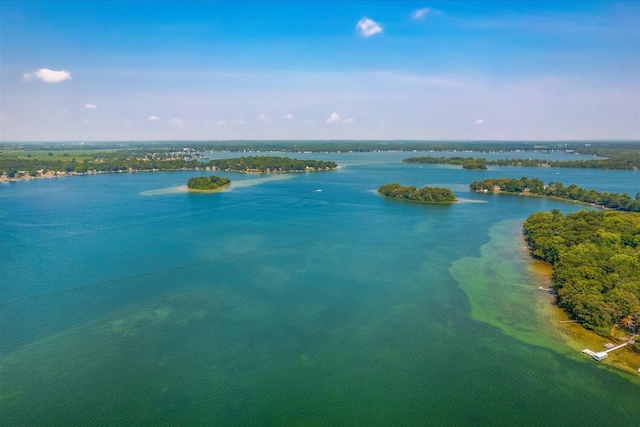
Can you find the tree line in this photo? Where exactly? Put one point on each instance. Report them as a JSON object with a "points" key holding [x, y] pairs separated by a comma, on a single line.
{"points": [[465, 162], [271, 164], [207, 183], [424, 195], [12, 167], [626, 160], [596, 260], [535, 186]]}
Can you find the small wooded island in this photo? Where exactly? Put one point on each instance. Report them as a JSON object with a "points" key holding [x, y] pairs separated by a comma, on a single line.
{"points": [[411, 194], [203, 183], [271, 164]]}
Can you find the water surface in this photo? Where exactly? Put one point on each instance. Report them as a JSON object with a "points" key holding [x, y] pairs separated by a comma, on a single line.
{"points": [[276, 303]]}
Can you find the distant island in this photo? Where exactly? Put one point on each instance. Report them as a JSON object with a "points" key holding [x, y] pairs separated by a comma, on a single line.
{"points": [[620, 160], [466, 162], [621, 202], [203, 183], [271, 164], [411, 194], [597, 265]]}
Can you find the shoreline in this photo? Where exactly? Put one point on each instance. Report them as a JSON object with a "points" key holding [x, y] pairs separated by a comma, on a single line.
{"points": [[573, 335], [50, 175], [415, 201], [215, 190]]}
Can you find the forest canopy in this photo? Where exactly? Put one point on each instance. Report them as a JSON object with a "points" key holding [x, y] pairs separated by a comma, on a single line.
{"points": [[266, 164], [465, 162], [207, 183], [535, 186], [596, 259], [423, 195]]}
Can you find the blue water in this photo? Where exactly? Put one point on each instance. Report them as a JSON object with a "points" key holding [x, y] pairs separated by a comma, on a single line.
{"points": [[276, 303]]}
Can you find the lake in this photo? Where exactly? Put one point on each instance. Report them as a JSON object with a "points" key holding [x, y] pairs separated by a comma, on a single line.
{"points": [[300, 299]]}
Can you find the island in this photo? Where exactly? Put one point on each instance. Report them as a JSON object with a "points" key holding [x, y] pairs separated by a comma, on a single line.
{"points": [[557, 190], [596, 266], [411, 194], [479, 163], [203, 183], [270, 164]]}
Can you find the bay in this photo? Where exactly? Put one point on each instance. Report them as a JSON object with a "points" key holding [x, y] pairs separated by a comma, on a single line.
{"points": [[291, 299]]}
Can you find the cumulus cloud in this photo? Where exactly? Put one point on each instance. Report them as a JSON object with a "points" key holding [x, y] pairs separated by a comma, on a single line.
{"points": [[288, 117], [334, 117], [153, 118], [368, 27], [478, 122], [420, 13], [90, 106], [47, 75]]}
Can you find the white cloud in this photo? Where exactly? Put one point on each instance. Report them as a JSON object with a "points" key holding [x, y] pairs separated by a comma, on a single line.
{"points": [[153, 118], [335, 117], [288, 117], [90, 106], [420, 13], [176, 122], [265, 119], [47, 75], [478, 122], [368, 27]]}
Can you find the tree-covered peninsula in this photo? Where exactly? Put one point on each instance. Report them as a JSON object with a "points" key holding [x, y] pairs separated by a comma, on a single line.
{"points": [[424, 195], [621, 202], [596, 260], [207, 183], [271, 164], [622, 160]]}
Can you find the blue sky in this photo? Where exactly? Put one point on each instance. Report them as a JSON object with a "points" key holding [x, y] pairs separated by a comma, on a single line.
{"points": [[469, 70]]}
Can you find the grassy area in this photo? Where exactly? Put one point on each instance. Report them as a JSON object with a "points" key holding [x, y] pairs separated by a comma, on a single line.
{"points": [[79, 155]]}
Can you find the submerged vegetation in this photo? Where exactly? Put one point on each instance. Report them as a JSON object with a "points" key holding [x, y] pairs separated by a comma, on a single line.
{"points": [[266, 164], [207, 183], [424, 195], [596, 258], [535, 186]]}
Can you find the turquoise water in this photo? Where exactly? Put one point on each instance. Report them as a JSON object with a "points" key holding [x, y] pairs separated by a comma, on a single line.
{"points": [[124, 301]]}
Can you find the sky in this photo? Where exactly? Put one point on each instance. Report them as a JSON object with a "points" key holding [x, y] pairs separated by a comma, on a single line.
{"points": [[312, 70]]}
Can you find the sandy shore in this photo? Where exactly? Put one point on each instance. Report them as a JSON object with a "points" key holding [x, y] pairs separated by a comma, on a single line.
{"points": [[573, 334], [215, 190]]}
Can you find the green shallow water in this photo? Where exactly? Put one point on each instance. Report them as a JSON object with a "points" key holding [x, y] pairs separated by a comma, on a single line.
{"points": [[277, 304]]}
